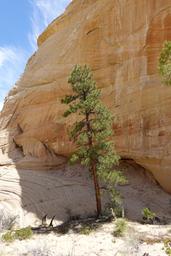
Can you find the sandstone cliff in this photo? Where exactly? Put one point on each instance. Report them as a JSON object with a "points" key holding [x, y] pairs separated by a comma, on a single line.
{"points": [[120, 40]]}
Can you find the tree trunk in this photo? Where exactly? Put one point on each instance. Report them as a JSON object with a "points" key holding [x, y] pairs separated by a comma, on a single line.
{"points": [[97, 190], [93, 169]]}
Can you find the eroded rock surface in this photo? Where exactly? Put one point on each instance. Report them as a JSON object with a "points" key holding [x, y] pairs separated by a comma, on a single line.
{"points": [[28, 195], [120, 41]]}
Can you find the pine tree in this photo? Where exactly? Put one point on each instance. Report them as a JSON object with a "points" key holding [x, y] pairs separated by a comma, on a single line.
{"points": [[92, 132]]}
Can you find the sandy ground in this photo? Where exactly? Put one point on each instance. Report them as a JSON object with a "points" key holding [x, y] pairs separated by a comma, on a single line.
{"points": [[138, 240], [30, 195]]}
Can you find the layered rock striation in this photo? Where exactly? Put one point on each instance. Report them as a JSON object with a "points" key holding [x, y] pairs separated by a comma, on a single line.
{"points": [[121, 42]]}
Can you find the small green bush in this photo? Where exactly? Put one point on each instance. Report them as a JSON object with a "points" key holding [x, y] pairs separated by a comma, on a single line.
{"points": [[20, 234], [167, 247], [148, 215], [120, 227], [23, 233], [86, 229], [8, 237]]}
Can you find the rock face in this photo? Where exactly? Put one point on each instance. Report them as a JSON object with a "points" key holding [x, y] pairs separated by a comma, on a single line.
{"points": [[121, 42]]}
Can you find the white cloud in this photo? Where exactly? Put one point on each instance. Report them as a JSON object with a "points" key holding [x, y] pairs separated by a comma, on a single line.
{"points": [[44, 11], [13, 59], [12, 62]]}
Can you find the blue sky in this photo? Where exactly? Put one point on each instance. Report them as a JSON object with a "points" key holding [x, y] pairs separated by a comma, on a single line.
{"points": [[21, 21]]}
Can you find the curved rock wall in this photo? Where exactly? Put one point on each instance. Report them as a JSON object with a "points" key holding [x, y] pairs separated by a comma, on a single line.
{"points": [[121, 42]]}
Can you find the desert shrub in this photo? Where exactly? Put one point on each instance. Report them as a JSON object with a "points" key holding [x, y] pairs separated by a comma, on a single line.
{"points": [[148, 215], [23, 233], [7, 220], [8, 237], [20, 234], [120, 227], [86, 229], [167, 246]]}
